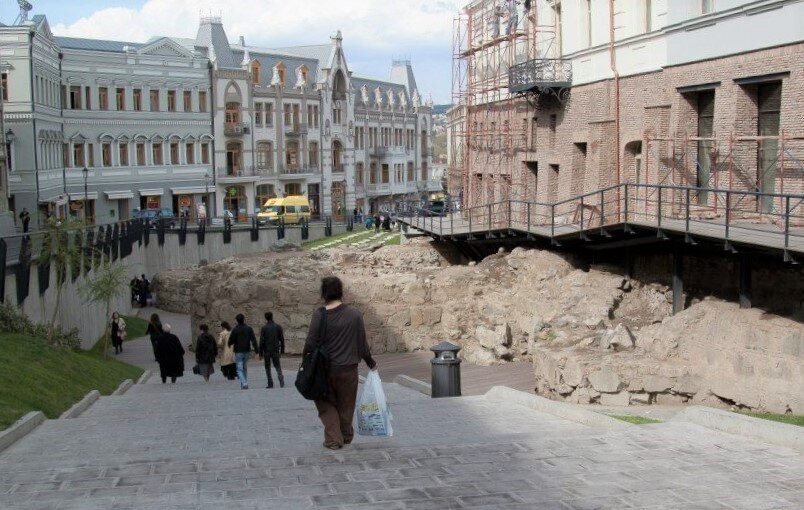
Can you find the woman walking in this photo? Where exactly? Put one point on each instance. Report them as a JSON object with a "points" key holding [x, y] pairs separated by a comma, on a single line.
{"points": [[226, 352], [170, 355], [118, 332], [154, 331], [344, 338], [206, 350]]}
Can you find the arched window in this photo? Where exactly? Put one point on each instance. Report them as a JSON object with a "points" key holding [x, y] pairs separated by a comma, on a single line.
{"points": [[265, 155], [255, 72], [232, 113], [337, 156], [292, 156]]}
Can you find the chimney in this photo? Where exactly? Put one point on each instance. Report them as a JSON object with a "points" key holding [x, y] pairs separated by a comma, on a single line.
{"points": [[242, 41]]}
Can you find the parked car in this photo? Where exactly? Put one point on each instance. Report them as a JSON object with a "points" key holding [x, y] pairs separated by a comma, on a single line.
{"points": [[154, 216]]}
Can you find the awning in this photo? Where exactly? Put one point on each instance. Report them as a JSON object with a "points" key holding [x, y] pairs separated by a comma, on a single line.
{"points": [[119, 195], [56, 199], [192, 190], [92, 195], [152, 192]]}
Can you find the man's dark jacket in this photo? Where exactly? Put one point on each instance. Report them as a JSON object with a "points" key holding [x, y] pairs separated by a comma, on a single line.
{"points": [[242, 335], [206, 349], [272, 339]]}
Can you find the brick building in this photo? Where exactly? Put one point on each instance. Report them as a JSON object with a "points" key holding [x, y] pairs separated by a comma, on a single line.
{"points": [[561, 98]]}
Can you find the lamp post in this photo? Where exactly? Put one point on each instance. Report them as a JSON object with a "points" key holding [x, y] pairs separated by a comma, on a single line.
{"points": [[85, 171]]}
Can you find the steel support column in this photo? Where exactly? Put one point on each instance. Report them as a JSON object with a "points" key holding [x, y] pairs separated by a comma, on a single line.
{"points": [[745, 281], [678, 278]]}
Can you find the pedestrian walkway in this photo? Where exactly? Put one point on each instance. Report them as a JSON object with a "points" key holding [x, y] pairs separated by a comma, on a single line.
{"points": [[193, 445]]}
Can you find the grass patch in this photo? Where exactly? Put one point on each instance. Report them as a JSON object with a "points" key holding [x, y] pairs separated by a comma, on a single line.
{"points": [[636, 420], [790, 419], [38, 377], [136, 328], [394, 241], [337, 239]]}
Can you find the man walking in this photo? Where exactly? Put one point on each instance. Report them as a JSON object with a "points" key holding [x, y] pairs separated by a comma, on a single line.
{"points": [[25, 216], [242, 339], [272, 345]]}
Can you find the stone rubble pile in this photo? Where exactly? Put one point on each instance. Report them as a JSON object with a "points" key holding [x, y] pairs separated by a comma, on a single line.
{"points": [[593, 336]]}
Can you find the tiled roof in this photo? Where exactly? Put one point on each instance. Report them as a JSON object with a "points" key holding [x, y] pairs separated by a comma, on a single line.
{"points": [[75, 43], [319, 52]]}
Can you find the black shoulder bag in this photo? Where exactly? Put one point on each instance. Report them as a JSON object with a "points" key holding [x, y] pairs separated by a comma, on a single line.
{"points": [[312, 378]]}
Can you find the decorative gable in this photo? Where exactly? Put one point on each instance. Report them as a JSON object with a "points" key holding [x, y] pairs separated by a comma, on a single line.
{"points": [[165, 47]]}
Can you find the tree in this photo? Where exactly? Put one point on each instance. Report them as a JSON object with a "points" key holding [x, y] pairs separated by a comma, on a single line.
{"points": [[109, 283], [57, 250]]}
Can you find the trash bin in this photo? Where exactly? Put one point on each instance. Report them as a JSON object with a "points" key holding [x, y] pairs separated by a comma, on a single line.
{"points": [[446, 371]]}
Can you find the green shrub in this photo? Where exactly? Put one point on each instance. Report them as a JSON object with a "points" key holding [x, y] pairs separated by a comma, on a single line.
{"points": [[12, 320]]}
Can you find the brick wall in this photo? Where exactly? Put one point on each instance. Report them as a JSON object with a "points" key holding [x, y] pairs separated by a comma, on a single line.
{"points": [[654, 113]]}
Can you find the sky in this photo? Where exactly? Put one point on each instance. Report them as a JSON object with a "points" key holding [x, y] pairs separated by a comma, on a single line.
{"points": [[374, 31]]}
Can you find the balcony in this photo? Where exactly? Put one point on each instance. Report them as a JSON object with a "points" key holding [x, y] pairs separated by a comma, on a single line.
{"points": [[235, 129], [296, 131], [244, 174], [374, 190], [378, 152], [297, 172], [542, 75]]}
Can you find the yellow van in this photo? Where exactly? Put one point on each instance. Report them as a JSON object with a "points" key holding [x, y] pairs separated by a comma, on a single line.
{"points": [[291, 208]]}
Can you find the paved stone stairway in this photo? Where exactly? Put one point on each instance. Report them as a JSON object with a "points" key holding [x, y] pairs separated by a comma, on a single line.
{"points": [[196, 445]]}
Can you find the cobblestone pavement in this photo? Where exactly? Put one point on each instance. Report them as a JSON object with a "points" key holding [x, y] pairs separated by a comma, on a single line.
{"points": [[196, 445]]}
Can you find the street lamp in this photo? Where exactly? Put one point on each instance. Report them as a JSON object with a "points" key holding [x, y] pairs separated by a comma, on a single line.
{"points": [[85, 171]]}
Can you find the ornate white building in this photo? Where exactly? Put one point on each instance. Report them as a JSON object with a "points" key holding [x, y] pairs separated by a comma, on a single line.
{"points": [[173, 123]]}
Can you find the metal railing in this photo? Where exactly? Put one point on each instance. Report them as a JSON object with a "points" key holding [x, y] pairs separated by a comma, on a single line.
{"points": [[744, 216], [235, 129], [540, 73]]}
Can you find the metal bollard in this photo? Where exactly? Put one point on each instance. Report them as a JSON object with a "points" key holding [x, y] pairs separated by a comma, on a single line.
{"points": [[446, 371]]}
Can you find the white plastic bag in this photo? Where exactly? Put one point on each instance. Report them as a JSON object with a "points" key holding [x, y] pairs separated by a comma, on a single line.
{"points": [[373, 416]]}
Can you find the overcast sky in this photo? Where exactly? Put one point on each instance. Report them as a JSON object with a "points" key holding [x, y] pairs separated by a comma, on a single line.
{"points": [[374, 31]]}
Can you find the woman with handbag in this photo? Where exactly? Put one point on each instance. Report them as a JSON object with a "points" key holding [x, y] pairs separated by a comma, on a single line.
{"points": [[338, 329], [226, 352], [118, 326]]}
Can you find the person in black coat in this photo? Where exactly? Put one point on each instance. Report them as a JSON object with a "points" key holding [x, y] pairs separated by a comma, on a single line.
{"points": [[272, 346], [154, 331], [206, 350], [170, 355]]}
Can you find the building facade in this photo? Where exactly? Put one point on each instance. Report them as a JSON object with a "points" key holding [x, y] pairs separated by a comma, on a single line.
{"points": [[101, 128], [561, 98]]}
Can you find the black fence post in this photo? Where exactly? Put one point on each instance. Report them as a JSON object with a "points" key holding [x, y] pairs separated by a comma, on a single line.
{"points": [[255, 230], [76, 254], [201, 232], [88, 250], [100, 248], [160, 232], [227, 231], [183, 231], [107, 246], [115, 251], [146, 232], [43, 263], [350, 223], [305, 229], [280, 229], [328, 226], [24, 270]]}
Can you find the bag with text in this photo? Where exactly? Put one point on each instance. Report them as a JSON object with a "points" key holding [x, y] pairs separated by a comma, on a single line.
{"points": [[373, 416]]}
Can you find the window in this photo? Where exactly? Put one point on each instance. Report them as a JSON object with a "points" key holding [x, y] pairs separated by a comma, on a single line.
{"points": [[75, 98], [336, 113], [269, 114], [4, 84], [123, 153], [288, 118], [232, 113], [189, 153], [424, 172], [103, 98], [292, 156], [255, 72], [65, 154], [90, 155], [313, 155], [385, 174], [337, 156], [265, 155], [411, 172], [202, 101], [359, 173], [205, 153], [154, 96], [315, 116], [137, 100], [188, 101], [258, 114], [706, 121], [106, 154], [296, 116], [120, 99], [648, 15], [533, 139], [156, 151], [174, 153], [140, 154], [171, 100], [769, 106], [78, 155], [310, 115], [373, 173], [280, 69], [707, 6]]}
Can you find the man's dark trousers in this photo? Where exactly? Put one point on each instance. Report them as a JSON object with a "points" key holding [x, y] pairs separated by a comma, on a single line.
{"points": [[273, 358]]}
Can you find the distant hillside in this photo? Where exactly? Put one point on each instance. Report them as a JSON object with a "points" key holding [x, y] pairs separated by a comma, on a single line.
{"points": [[440, 109]]}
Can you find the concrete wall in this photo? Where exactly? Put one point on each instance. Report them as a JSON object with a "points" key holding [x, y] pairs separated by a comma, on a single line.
{"points": [[74, 312]]}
